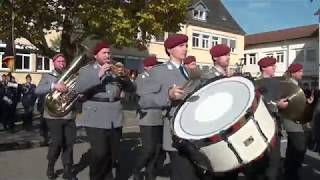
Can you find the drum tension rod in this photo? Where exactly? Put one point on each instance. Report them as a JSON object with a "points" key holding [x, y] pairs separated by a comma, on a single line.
{"points": [[223, 135]]}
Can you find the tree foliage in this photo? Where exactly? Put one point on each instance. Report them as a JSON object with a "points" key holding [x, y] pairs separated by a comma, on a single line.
{"points": [[117, 21]]}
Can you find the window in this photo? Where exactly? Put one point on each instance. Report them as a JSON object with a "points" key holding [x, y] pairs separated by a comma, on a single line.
{"points": [[252, 58], [310, 55], [299, 56], [229, 42], [23, 62], [232, 45], [159, 37], [3, 65], [280, 57], [195, 39], [244, 60], [205, 41], [215, 40], [42, 64], [200, 13], [224, 41]]}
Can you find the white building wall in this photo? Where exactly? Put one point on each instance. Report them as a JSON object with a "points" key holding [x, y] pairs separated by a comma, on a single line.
{"points": [[289, 49]]}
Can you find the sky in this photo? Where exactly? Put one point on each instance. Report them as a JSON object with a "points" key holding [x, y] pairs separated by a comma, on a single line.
{"points": [[256, 16]]}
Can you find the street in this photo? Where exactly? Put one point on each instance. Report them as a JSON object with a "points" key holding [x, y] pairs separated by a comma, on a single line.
{"points": [[31, 164], [23, 158]]}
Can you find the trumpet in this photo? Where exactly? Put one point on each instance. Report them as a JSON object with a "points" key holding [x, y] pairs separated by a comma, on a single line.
{"points": [[119, 70]]}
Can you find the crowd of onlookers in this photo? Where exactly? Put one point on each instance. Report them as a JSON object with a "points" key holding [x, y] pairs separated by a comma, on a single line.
{"points": [[11, 93]]}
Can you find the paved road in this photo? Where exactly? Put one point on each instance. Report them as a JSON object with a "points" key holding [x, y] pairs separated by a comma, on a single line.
{"points": [[31, 164]]}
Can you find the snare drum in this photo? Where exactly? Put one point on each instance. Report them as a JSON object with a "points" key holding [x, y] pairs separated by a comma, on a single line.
{"points": [[219, 119]]}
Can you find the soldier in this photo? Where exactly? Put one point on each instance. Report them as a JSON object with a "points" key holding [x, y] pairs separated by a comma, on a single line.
{"points": [[165, 92], [270, 89], [297, 142], [151, 125], [28, 101], [102, 111], [62, 129], [190, 62], [11, 97], [220, 55]]}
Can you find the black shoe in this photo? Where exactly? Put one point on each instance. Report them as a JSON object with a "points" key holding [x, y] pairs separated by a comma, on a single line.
{"points": [[67, 173], [50, 172]]}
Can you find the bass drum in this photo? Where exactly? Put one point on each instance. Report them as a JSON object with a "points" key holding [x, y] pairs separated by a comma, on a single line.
{"points": [[220, 119]]}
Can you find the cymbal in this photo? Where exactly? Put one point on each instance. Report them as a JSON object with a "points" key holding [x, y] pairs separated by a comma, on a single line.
{"points": [[297, 101]]}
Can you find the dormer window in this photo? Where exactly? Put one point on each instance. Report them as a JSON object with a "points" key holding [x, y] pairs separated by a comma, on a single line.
{"points": [[200, 12]]}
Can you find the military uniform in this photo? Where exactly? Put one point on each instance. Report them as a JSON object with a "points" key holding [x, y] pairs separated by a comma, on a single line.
{"points": [[163, 77], [296, 147], [151, 129], [216, 72], [101, 115], [62, 129], [269, 166]]}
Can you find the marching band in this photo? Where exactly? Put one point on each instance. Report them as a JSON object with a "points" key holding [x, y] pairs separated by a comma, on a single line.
{"points": [[164, 90]]}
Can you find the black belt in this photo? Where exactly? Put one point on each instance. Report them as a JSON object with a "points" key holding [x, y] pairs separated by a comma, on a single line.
{"points": [[104, 99]]}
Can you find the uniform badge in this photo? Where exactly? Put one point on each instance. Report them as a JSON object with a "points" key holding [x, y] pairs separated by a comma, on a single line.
{"points": [[95, 66], [143, 76], [169, 66]]}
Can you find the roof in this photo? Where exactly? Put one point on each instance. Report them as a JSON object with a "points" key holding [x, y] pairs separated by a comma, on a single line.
{"points": [[218, 17], [282, 35]]}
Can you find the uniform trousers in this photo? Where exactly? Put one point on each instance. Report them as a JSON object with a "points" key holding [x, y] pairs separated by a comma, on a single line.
{"points": [[28, 117], [269, 167], [151, 137], [105, 145], [9, 116], [182, 168], [63, 135], [295, 152]]}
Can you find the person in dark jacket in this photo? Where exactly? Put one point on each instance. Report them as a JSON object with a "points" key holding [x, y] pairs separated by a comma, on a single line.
{"points": [[28, 101]]}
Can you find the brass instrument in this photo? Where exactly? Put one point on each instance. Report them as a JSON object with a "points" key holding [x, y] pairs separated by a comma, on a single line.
{"points": [[59, 104], [119, 70], [298, 110]]}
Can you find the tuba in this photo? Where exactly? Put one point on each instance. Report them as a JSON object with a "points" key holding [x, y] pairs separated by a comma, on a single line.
{"points": [[59, 104]]}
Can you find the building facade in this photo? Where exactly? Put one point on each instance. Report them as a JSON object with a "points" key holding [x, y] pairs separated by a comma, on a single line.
{"points": [[293, 45], [207, 23]]}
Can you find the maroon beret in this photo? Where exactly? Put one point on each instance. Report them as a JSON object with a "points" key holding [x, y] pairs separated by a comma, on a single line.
{"points": [[295, 67], [174, 40], [189, 59], [150, 61], [219, 50], [267, 61], [99, 46], [56, 56]]}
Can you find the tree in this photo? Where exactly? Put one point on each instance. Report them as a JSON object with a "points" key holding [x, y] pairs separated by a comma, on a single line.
{"points": [[117, 21]]}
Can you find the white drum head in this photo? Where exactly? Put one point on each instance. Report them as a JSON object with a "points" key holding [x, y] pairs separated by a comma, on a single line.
{"points": [[214, 107]]}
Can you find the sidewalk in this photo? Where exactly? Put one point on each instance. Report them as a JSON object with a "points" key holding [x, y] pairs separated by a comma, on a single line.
{"points": [[22, 139]]}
